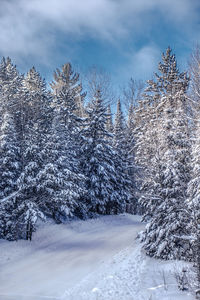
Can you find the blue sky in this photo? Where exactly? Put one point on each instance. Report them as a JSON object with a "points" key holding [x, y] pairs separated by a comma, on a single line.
{"points": [[125, 37]]}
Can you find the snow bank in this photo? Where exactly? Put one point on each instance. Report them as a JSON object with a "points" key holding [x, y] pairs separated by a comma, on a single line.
{"points": [[86, 260], [60, 256]]}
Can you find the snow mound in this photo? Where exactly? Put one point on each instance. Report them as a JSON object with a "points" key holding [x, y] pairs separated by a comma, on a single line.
{"points": [[86, 260]]}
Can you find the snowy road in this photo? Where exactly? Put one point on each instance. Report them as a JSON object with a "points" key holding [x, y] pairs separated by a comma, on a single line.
{"points": [[86, 260], [61, 258]]}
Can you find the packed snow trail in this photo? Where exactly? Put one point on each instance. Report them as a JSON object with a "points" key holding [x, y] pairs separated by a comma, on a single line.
{"points": [[86, 260], [61, 256]]}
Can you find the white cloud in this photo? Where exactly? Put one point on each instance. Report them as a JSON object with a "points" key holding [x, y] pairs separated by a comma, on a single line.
{"points": [[146, 60], [140, 64], [32, 27]]}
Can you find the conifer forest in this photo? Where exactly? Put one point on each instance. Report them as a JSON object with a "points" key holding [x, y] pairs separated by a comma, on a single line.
{"points": [[63, 157]]}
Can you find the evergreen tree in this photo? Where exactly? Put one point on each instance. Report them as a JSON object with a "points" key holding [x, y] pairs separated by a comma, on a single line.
{"points": [[61, 179], [166, 204], [10, 170], [35, 132], [119, 129], [109, 123], [166, 234], [107, 190], [10, 157], [168, 81], [194, 201], [149, 151], [121, 138], [67, 90], [147, 156], [61, 188], [132, 169], [66, 82]]}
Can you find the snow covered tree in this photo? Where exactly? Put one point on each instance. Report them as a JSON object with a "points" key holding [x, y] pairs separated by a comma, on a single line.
{"points": [[33, 121], [109, 123], [29, 106], [61, 188], [67, 90], [122, 136], [168, 84], [106, 186], [10, 169], [59, 182], [66, 82], [10, 83], [166, 235], [132, 168], [18, 163], [119, 128], [194, 71], [10, 157], [194, 201], [165, 202], [168, 81], [147, 151]]}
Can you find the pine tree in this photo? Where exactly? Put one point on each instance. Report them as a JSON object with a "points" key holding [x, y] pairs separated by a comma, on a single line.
{"points": [[109, 123], [106, 187], [147, 156], [10, 157], [168, 81], [194, 201], [166, 206], [10, 84], [61, 180], [121, 139], [119, 128], [66, 82], [10, 168], [164, 236], [35, 132], [67, 90], [130, 156], [61, 188]]}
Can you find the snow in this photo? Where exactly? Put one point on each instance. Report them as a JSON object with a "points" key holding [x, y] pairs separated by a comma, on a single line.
{"points": [[85, 260], [9, 197]]}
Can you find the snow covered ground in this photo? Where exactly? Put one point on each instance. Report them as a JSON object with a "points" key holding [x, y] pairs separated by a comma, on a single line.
{"points": [[86, 260]]}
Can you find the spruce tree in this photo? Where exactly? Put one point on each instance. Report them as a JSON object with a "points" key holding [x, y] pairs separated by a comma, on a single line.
{"points": [[61, 179], [121, 139], [10, 157], [107, 191], [66, 82], [119, 128], [165, 234], [168, 88], [10, 168], [194, 201], [62, 189], [34, 142], [147, 156], [109, 123], [132, 169]]}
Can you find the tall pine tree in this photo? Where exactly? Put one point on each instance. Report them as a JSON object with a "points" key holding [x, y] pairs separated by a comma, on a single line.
{"points": [[107, 190], [164, 236]]}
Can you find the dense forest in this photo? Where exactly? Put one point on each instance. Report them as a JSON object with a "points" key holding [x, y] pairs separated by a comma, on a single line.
{"points": [[63, 157]]}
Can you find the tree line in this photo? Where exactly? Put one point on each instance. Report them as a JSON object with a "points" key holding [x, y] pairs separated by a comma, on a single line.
{"points": [[167, 140], [62, 158]]}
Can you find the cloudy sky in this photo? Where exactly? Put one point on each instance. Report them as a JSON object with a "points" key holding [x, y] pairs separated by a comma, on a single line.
{"points": [[126, 37]]}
